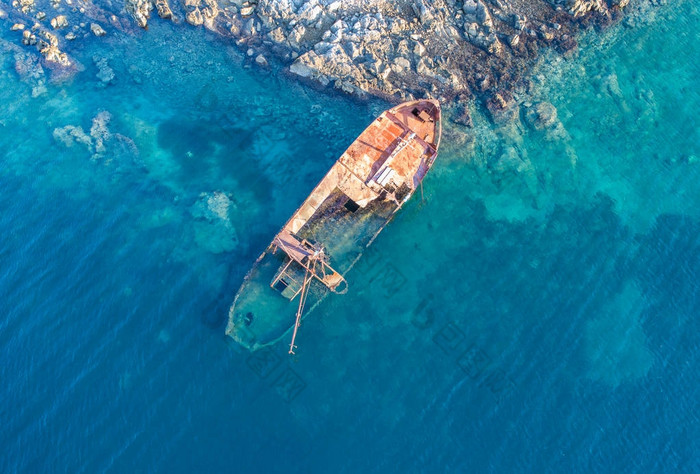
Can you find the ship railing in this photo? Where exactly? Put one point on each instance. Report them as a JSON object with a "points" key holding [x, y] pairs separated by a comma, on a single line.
{"points": [[308, 255], [288, 277]]}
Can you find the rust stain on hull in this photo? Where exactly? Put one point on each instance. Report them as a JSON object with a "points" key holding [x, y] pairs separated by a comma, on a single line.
{"points": [[327, 234]]}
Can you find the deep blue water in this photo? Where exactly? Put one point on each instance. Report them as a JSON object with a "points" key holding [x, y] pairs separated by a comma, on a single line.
{"points": [[537, 313]]}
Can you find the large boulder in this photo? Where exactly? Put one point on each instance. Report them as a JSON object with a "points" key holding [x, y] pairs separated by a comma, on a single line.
{"points": [[140, 10]]}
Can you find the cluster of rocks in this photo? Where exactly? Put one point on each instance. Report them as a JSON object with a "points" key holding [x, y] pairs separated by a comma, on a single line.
{"points": [[396, 50], [100, 142], [95, 141], [47, 26], [30, 71]]}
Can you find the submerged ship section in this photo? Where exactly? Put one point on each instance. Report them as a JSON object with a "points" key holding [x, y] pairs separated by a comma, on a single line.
{"points": [[324, 238]]}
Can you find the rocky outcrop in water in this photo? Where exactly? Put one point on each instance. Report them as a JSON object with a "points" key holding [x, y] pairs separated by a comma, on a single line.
{"points": [[397, 50], [101, 143], [400, 50], [48, 26], [213, 229]]}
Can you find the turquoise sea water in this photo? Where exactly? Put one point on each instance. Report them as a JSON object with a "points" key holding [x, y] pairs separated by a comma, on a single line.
{"points": [[536, 313]]}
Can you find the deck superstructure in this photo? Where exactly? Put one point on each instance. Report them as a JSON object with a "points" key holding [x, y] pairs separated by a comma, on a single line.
{"points": [[326, 235]]}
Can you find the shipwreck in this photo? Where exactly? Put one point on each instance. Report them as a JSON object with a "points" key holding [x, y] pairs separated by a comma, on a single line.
{"points": [[326, 236]]}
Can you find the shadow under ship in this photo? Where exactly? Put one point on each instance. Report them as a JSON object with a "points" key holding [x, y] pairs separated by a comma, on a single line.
{"points": [[342, 216]]}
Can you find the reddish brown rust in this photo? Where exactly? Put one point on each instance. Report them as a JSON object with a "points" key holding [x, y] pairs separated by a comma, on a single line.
{"points": [[342, 216]]}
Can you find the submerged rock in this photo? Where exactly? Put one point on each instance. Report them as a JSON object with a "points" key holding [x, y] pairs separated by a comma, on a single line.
{"points": [[30, 71], [542, 116], [461, 114], [95, 142], [615, 342], [213, 229], [100, 133], [28, 38], [502, 108], [105, 73], [70, 135], [260, 60], [97, 30]]}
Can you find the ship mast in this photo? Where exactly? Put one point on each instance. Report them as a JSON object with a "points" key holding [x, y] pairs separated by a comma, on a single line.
{"points": [[309, 257], [308, 276]]}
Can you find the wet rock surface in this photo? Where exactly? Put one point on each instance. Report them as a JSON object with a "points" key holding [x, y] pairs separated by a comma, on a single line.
{"points": [[449, 49]]}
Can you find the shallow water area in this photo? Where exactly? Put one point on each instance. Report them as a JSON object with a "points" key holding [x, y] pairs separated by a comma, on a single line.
{"points": [[536, 311]]}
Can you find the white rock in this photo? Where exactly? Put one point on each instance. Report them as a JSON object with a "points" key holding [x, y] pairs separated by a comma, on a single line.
{"points": [[277, 35], [423, 67], [311, 15], [195, 17], [345, 87], [59, 22], [471, 29], [419, 49], [296, 35], [300, 69], [483, 15], [403, 63], [322, 47], [97, 30], [384, 73], [28, 38], [353, 50], [469, 7]]}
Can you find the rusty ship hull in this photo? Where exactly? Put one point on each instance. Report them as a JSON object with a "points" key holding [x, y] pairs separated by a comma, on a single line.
{"points": [[326, 236]]}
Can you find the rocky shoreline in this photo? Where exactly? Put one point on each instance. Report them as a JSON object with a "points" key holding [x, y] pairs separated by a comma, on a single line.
{"points": [[449, 49]]}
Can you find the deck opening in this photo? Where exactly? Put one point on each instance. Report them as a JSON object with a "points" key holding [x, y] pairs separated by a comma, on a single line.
{"points": [[351, 205], [403, 191], [421, 115], [281, 285]]}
